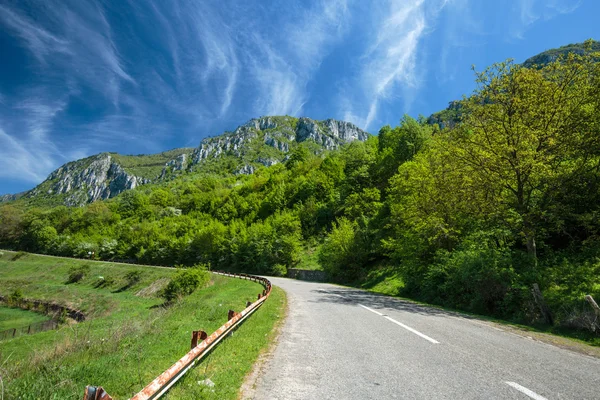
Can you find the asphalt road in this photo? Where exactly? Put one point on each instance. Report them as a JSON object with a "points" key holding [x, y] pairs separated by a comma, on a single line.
{"points": [[340, 343]]}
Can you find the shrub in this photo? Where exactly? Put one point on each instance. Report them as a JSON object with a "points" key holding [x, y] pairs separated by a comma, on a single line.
{"points": [[77, 273], [279, 270], [15, 297], [104, 281], [476, 279], [133, 277], [185, 281]]}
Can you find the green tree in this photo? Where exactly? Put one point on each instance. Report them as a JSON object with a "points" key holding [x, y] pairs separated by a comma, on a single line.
{"points": [[524, 132], [398, 145]]}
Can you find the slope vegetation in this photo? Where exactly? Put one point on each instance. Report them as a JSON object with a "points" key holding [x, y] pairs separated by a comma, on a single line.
{"points": [[128, 337]]}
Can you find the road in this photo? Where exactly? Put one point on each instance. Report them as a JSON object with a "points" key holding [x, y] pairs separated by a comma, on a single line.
{"points": [[342, 343]]}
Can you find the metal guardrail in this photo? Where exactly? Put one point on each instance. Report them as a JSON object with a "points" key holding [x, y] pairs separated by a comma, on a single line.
{"points": [[164, 381]]}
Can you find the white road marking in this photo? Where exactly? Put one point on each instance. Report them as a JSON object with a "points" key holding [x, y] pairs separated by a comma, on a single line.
{"points": [[408, 328], [416, 332], [370, 309], [526, 391]]}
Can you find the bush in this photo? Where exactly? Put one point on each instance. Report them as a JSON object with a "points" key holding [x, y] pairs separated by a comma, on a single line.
{"points": [[104, 281], [279, 270], [15, 297], [476, 279], [185, 281], [133, 277], [76, 274]]}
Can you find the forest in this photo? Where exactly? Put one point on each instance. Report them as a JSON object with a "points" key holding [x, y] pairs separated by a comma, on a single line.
{"points": [[469, 215]]}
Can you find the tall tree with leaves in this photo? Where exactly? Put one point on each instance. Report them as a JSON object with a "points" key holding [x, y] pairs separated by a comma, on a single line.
{"points": [[527, 130]]}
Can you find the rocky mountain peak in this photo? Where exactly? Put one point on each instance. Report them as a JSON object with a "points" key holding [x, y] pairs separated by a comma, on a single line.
{"points": [[87, 180], [260, 142]]}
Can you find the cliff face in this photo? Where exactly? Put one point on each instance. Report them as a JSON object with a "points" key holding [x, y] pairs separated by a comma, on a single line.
{"points": [[84, 181], [266, 141], [260, 142]]}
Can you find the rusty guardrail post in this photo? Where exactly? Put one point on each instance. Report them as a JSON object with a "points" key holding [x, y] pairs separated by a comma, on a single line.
{"points": [[95, 393], [198, 336]]}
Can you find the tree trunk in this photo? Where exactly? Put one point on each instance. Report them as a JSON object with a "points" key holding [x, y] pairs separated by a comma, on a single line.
{"points": [[529, 231], [532, 249], [544, 309]]}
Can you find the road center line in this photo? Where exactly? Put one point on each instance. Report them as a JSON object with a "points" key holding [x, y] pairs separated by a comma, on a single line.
{"points": [[526, 391], [370, 309], [408, 328]]}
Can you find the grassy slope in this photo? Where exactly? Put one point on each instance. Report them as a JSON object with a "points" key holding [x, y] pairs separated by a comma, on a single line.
{"points": [[16, 318], [309, 259], [148, 165], [129, 339]]}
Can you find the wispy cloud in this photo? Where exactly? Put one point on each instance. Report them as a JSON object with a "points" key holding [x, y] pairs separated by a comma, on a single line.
{"points": [[529, 12], [389, 67], [284, 64], [31, 155], [38, 40]]}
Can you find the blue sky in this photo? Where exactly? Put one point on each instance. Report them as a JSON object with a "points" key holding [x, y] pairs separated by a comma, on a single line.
{"points": [[86, 76]]}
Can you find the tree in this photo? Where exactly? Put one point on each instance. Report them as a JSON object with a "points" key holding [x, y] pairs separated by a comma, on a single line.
{"points": [[524, 132], [398, 145]]}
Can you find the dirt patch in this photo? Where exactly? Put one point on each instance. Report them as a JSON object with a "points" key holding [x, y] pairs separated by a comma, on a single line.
{"points": [[558, 341], [153, 288]]}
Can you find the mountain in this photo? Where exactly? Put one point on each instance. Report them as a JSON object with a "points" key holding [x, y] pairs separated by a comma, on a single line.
{"points": [[450, 116], [552, 55], [260, 142]]}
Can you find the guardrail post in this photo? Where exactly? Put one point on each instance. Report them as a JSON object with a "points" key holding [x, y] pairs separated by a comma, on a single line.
{"points": [[248, 304], [231, 314], [95, 393], [198, 336], [259, 296]]}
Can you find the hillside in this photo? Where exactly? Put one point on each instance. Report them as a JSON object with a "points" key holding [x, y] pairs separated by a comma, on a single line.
{"points": [[260, 142], [129, 335], [548, 56]]}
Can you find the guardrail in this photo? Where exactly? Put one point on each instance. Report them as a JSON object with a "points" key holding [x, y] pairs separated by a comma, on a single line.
{"points": [[164, 381]]}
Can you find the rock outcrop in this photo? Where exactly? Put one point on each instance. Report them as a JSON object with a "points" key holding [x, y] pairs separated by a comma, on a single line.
{"points": [[264, 141], [84, 181], [279, 133]]}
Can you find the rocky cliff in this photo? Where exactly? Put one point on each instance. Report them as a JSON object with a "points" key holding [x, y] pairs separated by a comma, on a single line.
{"points": [[87, 180], [266, 141], [260, 142]]}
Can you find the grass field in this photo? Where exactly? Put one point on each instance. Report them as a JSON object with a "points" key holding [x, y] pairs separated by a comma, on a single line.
{"points": [[129, 338], [15, 318]]}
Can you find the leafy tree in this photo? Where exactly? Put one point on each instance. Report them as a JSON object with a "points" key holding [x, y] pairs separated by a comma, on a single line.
{"points": [[527, 130], [398, 145]]}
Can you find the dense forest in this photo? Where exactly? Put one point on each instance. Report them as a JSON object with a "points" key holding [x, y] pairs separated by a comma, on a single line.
{"points": [[470, 215]]}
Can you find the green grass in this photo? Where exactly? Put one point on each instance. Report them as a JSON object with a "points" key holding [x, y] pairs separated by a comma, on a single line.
{"points": [[129, 338], [16, 318], [385, 280], [309, 259], [148, 165]]}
